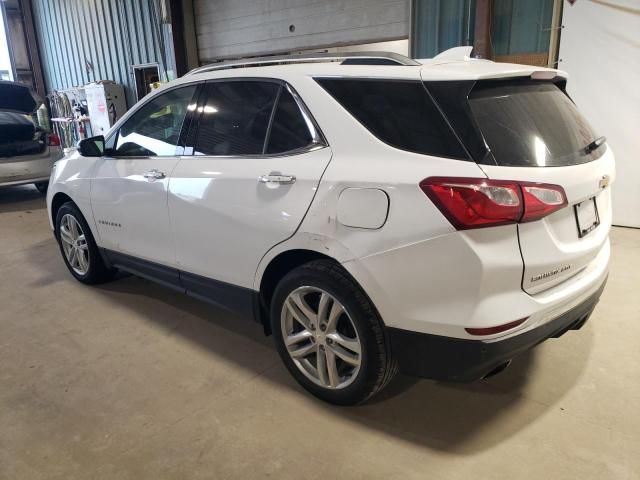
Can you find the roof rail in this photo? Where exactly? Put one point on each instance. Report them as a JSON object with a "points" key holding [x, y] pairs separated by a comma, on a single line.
{"points": [[346, 58]]}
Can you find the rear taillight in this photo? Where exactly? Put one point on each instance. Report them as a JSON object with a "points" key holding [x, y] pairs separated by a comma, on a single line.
{"points": [[481, 202], [541, 199], [53, 140]]}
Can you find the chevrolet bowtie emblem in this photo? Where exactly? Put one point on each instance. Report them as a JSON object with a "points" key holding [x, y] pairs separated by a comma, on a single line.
{"points": [[604, 181]]}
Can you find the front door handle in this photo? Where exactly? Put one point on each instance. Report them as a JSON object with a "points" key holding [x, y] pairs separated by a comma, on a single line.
{"points": [[277, 177], [153, 175]]}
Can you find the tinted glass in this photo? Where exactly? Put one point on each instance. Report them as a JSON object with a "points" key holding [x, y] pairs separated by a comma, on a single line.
{"points": [[154, 129], [399, 113], [235, 117], [533, 125], [289, 131]]}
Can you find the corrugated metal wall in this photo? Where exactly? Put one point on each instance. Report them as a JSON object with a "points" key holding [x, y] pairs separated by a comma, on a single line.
{"points": [[235, 28], [441, 24], [521, 26], [518, 26], [82, 41]]}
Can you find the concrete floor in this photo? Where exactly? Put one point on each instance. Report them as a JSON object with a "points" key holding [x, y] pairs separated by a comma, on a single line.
{"points": [[130, 380]]}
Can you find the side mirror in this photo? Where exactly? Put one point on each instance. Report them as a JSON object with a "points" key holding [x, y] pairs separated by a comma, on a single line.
{"points": [[92, 147]]}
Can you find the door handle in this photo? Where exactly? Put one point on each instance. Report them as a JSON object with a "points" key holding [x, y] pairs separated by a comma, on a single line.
{"points": [[154, 174], [277, 177]]}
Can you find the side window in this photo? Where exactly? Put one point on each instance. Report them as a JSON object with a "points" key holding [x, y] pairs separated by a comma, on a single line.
{"points": [[289, 130], [154, 129], [400, 113], [234, 117]]}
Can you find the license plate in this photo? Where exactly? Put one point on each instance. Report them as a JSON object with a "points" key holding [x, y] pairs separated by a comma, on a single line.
{"points": [[587, 217]]}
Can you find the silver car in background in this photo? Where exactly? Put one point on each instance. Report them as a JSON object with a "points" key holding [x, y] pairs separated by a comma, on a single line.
{"points": [[27, 152]]}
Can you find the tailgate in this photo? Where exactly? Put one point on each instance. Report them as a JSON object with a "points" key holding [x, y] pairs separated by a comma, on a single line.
{"points": [[536, 134], [553, 249]]}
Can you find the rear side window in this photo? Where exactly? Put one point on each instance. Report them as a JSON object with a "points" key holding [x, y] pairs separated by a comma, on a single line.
{"points": [[532, 125], [235, 117], [289, 130], [400, 113]]}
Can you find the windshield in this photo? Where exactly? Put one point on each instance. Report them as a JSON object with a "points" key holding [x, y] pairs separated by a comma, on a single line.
{"points": [[532, 124]]}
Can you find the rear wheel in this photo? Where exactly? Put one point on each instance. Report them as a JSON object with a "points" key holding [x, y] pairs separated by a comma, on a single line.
{"points": [[78, 247], [329, 334], [42, 187]]}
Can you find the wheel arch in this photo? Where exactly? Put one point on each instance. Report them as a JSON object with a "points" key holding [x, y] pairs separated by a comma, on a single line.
{"points": [[275, 270], [57, 201]]}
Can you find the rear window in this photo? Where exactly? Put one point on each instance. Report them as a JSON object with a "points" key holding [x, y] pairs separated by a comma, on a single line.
{"points": [[288, 131], [532, 125], [400, 113]]}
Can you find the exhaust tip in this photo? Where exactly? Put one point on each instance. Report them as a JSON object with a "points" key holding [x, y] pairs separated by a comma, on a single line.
{"points": [[497, 370]]}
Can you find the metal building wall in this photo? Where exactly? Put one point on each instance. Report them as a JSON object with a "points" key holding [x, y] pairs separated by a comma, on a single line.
{"points": [[441, 24], [520, 29], [236, 28], [521, 26], [82, 41]]}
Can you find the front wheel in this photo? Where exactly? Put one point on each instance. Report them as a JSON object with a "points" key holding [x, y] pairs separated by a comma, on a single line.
{"points": [[78, 247], [329, 334]]}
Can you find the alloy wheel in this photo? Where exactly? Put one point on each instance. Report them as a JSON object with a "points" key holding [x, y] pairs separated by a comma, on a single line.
{"points": [[74, 244], [321, 338]]}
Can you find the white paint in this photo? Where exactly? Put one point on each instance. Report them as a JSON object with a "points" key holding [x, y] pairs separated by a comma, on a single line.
{"points": [[363, 208], [600, 49], [224, 219], [121, 195], [420, 273]]}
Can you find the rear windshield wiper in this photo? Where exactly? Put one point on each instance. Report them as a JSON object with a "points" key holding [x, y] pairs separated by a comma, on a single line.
{"points": [[597, 143]]}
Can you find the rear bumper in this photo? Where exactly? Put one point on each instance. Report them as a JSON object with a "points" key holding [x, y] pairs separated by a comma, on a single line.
{"points": [[24, 181], [28, 168], [455, 359]]}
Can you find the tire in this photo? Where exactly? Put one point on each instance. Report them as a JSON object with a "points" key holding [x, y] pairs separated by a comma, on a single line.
{"points": [[324, 282], [42, 187], [92, 270]]}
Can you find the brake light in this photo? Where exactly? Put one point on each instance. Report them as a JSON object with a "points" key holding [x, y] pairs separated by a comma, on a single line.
{"points": [[481, 202], [54, 140]]}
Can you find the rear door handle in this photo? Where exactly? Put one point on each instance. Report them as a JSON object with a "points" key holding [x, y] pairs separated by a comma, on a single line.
{"points": [[154, 174], [277, 177]]}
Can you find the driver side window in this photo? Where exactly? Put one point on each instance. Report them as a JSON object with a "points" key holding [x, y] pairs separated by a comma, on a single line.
{"points": [[155, 128]]}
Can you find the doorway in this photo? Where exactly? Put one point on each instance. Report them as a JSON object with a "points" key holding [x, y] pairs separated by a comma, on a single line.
{"points": [[145, 75]]}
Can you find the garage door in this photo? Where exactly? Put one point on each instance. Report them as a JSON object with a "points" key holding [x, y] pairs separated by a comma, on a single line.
{"points": [[231, 29]]}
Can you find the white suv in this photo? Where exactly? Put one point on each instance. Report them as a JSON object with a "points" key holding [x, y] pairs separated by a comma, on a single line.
{"points": [[373, 212]]}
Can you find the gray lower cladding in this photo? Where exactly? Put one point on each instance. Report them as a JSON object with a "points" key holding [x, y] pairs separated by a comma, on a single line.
{"points": [[241, 301]]}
